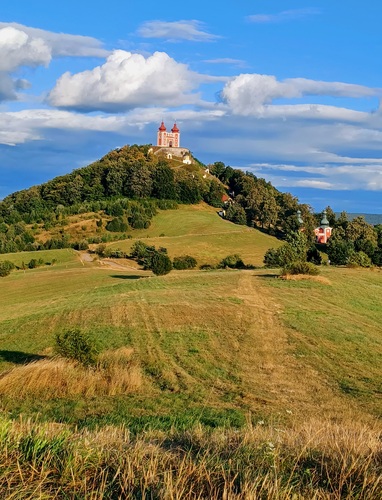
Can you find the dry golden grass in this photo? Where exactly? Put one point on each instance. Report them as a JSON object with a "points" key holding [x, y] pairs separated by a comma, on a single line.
{"points": [[300, 277], [317, 460], [117, 373]]}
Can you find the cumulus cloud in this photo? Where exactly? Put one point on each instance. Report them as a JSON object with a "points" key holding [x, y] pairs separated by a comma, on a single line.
{"points": [[19, 49], [177, 30], [284, 16], [21, 46], [247, 94], [62, 44], [127, 81]]}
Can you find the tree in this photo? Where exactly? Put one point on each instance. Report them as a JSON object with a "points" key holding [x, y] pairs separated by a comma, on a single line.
{"points": [[339, 250], [214, 195], [236, 214], [184, 262], [163, 182], [363, 235], [160, 263]]}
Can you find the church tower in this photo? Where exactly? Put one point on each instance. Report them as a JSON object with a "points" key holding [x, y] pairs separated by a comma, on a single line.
{"points": [[168, 139], [161, 140]]}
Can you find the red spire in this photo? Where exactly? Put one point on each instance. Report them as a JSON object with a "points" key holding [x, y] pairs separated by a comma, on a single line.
{"points": [[175, 129], [162, 128]]}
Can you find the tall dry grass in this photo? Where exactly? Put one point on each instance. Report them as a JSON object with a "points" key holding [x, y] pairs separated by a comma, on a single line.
{"points": [[314, 460], [117, 372]]}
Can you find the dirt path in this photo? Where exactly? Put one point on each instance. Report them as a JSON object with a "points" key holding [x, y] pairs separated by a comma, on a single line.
{"points": [[86, 257], [268, 361]]}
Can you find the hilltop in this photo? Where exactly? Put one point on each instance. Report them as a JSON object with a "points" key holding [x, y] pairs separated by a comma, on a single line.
{"points": [[124, 190]]}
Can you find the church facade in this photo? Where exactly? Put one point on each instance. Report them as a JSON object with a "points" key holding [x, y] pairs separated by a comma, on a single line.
{"points": [[168, 139]]}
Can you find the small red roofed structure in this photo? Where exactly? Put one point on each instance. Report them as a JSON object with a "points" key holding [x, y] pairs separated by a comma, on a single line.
{"points": [[324, 231]]}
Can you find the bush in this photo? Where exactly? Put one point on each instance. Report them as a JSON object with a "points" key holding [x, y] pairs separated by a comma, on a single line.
{"points": [[117, 225], [160, 263], [232, 261], [207, 267], [184, 262], [5, 268], [76, 345], [360, 259], [314, 256], [300, 267], [282, 256], [33, 263]]}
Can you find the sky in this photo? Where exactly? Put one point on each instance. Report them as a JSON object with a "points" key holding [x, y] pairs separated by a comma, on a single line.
{"points": [[290, 91]]}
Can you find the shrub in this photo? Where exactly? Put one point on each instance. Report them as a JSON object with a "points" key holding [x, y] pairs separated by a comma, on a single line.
{"points": [[300, 267], [5, 268], [117, 225], [282, 256], [100, 250], [76, 345], [184, 262], [207, 267], [360, 259], [33, 263], [314, 256], [232, 261], [160, 263]]}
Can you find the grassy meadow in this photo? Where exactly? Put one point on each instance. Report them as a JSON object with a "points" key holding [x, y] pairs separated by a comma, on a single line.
{"points": [[197, 230], [210, 384]]}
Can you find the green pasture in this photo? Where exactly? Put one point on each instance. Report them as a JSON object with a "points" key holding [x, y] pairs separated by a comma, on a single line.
{"points": [[337, 329], [197, 230]]}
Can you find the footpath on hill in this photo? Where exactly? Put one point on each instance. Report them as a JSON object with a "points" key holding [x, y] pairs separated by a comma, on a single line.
{"points": [[267, 359]]}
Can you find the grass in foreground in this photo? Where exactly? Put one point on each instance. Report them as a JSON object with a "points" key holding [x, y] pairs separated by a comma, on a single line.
{"points": [[317, 459]]}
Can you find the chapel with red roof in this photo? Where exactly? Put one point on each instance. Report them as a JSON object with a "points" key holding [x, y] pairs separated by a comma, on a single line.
{"points": [[168, 139]]}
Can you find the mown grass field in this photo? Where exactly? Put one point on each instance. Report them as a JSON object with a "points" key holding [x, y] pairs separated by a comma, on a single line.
{"points": [[211, 384], [211, 346], [197, 230]]}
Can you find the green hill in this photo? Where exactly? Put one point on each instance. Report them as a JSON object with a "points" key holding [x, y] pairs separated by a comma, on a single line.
{"points": [[214, 383]]}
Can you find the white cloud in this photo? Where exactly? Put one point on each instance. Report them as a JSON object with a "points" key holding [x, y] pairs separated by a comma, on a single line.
{"points": [[227, 60], [177, 30], [62, 44], [21, 46], [247, 94], [19, 127], [284, 16], [127, 81], [18, 49]]}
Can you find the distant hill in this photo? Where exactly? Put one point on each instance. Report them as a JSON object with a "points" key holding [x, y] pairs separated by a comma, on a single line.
{"points": [[373, 219]]}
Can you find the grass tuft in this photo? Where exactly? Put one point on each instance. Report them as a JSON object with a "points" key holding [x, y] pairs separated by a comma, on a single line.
{"points": [[117, 372]]}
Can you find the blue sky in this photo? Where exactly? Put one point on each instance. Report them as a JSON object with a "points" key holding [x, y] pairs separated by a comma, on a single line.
{"points": [[288, 90]]}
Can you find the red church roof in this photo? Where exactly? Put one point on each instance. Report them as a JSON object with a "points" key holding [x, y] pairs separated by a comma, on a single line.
{"points": [[175, 129], [162, 128]]}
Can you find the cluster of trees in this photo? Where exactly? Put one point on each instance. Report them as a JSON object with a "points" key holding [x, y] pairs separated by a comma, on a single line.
{"points": [[354, 242], [257, 203], [127, 184], [6, 266], [129, 172], [157, 260]]}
